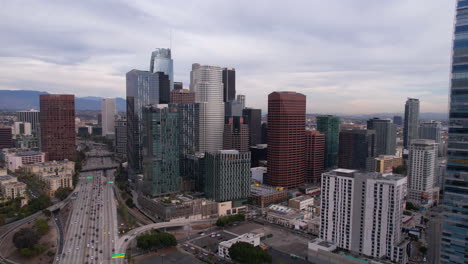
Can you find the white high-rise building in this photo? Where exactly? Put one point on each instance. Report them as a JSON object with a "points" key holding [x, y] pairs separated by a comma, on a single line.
{"points": [[108, 116], [22, 128], [421, 171], [362, 212], [206, 83]]}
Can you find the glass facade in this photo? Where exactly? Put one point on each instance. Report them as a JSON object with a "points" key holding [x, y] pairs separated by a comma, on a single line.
{"points": [[161, 173], [161, 61], [330, 126], [455, 225]]}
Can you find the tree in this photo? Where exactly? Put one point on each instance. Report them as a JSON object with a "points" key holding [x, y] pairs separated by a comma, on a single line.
{"points": [[25, 238], [41, 226], [411, 206], [47, 213], [423, 250], [149, 241], [129, 203], [247, 253], [166, 239], [62, 193], [225, 220], [402, 169]]}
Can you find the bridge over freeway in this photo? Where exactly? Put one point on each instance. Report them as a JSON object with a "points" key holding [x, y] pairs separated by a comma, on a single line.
{"points": [[110, 167]]}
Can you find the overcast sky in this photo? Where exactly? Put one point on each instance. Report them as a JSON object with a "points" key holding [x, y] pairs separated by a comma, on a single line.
{"points": [[346, 56]]}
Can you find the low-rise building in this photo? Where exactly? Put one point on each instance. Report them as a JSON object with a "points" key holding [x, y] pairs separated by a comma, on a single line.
{"points": [[264, 195], [55, 174], [302, 202], [11, 188], [3, 171], [15, 160], [285, 216], [223, 247], [258, 173], [386, 163], [313, 226], [230, 208]]}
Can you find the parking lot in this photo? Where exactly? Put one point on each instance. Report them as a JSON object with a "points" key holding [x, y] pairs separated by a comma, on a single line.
{"points": [[210, 243], [277, 238]]}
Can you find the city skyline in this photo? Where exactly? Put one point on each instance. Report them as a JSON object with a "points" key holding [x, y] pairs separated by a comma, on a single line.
{"points": [[371, 73]]}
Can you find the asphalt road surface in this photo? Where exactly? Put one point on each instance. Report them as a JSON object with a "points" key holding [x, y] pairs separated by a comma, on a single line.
{"points": [[92, 230]]}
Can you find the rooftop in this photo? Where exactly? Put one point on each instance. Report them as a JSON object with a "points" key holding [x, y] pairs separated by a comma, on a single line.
{"points": [[246, 236], [302, 198], [256, 190]]}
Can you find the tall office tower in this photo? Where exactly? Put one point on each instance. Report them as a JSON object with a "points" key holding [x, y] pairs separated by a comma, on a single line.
{"points": [[362, 212], [206, 83], [178, 86], [241, 99], [236, 134], [160, 150], [410, 129], [108, 113], [454, 227], [421, 171], [229, 84], [398, 120], [188, 138], [161, 61], [6, 137], [253, 118], [182, 96], [233, 108], [264, 133], [259, 155], [227, 175], [286, 139], [430, 130], [143, 88], [57, 119], [385, 135], [356, 149], [330, 126], [315, 156], [121, 136], [22, 128], [31, 116]]}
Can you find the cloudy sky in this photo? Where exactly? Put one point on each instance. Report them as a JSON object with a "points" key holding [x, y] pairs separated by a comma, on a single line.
{"points": [[346, 56]]}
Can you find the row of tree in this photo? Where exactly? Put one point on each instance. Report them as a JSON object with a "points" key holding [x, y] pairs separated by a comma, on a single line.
{"points": [[154, 240], [247, 253], [225, 220]]}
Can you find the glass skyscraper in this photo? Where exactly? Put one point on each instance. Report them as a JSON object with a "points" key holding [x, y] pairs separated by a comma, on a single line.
{"points": [[455, 225], [161, 61], [411, 123], [330, 126]]}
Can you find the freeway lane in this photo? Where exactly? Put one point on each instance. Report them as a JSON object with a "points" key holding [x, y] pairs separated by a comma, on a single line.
{"points": [[92, 229]]}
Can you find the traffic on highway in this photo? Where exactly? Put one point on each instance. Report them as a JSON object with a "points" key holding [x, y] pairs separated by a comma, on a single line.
{"points": [[92, 226]]}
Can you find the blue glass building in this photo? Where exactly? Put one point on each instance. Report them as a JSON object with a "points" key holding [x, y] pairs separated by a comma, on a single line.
{"points": [[454, 245]]}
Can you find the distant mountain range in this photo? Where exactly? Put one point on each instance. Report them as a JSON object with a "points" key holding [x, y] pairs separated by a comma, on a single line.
{"points": [[25, 100]]}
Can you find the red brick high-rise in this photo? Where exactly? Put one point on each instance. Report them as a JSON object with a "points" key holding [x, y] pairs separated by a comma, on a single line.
{"points": [[57, 123], [315, 156], [286, 139], [6, 136]]}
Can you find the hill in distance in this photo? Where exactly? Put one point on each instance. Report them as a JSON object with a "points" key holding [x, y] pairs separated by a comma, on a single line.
{"points": [[25, 100]]}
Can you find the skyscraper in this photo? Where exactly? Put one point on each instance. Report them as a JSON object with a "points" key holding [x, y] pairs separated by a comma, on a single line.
{"points": [[410, 129], [206, 83], [385, 135], [330, 126], [227, 175], [286, 139], [241, 99], [229, 84], [31, 116], [454, 227], [253, 118], [430, 130], [315, 156], [108, 116], [182, 96], [236, 134], [57, 119], [143, 88], [161, 61], [121, 136], [178, 85], [6, 137], [160, 150], [356, 148], [362, 212], [398, 120], [421, 171]]}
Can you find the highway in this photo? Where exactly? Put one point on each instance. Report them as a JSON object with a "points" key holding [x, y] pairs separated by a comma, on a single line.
{"points": [[92, 228]]}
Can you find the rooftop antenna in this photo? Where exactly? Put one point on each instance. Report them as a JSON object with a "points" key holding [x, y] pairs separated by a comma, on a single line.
{"points": [[170, 37]]}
